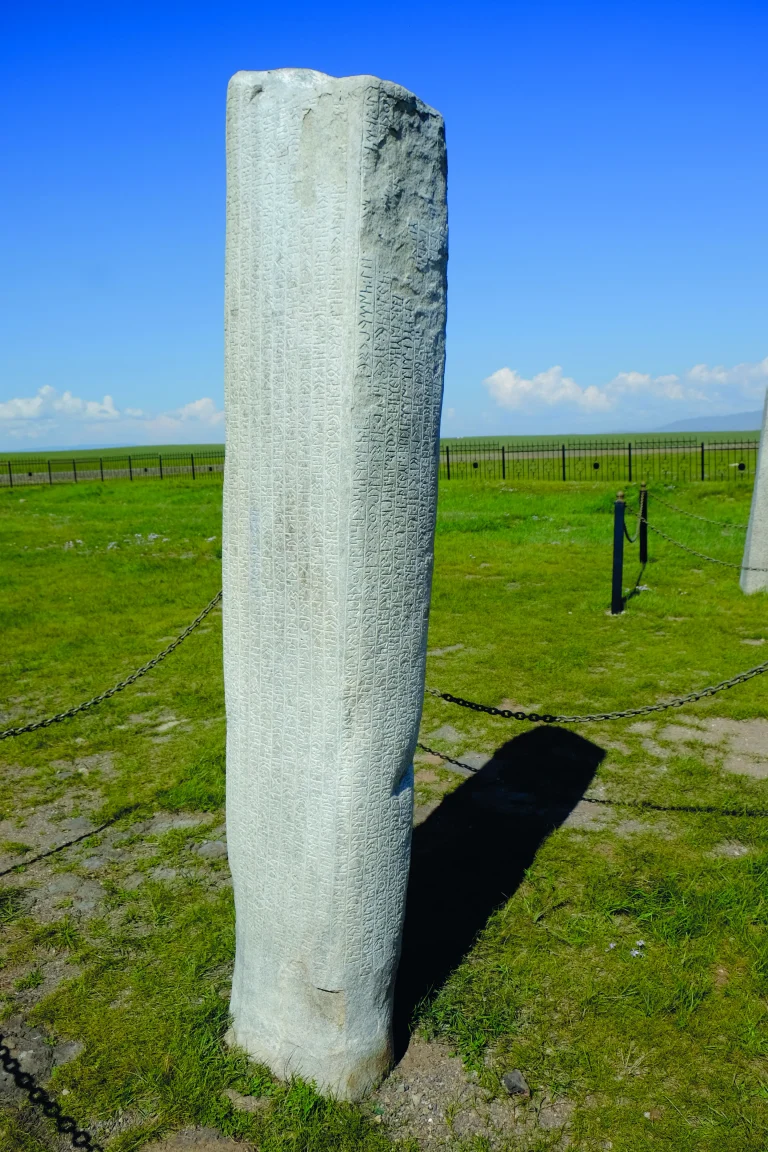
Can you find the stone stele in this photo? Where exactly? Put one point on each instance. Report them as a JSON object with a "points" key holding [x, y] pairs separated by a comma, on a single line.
{"points": [[756, 547], [335, 334]]}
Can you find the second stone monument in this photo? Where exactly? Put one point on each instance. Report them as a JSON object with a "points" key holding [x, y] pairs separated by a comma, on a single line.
{"points": [[754, 573], [335, 327]]}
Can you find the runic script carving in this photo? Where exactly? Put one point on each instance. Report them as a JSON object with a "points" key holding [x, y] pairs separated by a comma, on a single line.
{"points": [[335, 330]]}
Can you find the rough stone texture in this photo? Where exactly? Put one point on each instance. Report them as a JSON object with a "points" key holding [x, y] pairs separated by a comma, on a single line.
{"points": [[756, 547], [335, 322]]}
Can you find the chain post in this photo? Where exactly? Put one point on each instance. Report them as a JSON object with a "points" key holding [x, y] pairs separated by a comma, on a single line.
{"points": [[629, 458], [702, 459], [130, 468], [101, 469], [10, 474], [447, 462], [503, 464], [562, 457], [643, 524], [617, 583], [50, 477], [161, 465]]}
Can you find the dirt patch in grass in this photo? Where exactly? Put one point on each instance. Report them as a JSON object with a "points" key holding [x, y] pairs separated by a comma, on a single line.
{"points": [[432, 1099], [732, 849], [446, 732], [198, 1140]]}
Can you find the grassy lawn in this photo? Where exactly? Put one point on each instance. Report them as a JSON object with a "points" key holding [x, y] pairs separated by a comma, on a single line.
{"points": [[66, 454], [533, 881]]}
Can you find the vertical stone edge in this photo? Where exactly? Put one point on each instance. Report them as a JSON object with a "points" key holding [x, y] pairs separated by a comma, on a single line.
{"points": [[756, 544]]}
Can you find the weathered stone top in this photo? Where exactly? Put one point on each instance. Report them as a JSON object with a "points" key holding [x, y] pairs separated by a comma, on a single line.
{"points": [[310, 78]]}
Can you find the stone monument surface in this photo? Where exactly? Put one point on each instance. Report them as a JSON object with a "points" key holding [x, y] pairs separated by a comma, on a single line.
{"points": [[756, 547], [335, 325]]}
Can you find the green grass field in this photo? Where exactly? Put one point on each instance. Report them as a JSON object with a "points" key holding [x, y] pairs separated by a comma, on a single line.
{"points": [[640, 438], [606, 437], [66, 454], [527, 901], [715, 457]]}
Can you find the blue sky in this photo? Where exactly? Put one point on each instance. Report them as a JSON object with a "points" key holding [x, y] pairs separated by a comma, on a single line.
{"points": [[607, 186]]}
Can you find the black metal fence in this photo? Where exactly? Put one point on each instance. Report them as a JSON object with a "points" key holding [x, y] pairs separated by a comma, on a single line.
{"points": [[201, 465], [615, 460], [620, 460]]}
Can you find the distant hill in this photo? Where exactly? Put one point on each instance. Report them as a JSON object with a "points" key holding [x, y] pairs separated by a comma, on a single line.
{"points": [[735, 422]]}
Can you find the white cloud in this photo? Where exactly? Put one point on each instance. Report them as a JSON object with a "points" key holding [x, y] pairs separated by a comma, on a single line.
{"points": [[62, 418], [511, 390], [700, 390]]}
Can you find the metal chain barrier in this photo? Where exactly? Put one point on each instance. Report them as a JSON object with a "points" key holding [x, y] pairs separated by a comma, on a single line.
{"points": [[504, 713], [448, 759], [701, 556], [633, 539], [644, 710], [5, 735], [693, 515], [39, 1097]]}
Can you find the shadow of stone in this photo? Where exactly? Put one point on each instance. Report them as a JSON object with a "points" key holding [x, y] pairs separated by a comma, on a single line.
{"points": [[470, 855]]}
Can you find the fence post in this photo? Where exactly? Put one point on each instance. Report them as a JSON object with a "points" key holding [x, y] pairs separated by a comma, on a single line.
{"points": [[10, 474], [101, 469], [629, 457], [192, 458], [503, 464], [161, 465], [50, 477], [562, 454], [130, 468], [643, 524], [702, 459], [448, 461], [74, 470], [617, 583]]}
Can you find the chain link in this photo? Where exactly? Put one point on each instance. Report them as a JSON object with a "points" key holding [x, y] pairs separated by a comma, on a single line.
{"points": [[701, 556], [448, 759], [693, 516], [38, 1096], [644, 710], [117, 687], [632, 539]]}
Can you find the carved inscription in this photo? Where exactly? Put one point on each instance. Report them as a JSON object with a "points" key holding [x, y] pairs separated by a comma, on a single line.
{"points": [[335, 306]]}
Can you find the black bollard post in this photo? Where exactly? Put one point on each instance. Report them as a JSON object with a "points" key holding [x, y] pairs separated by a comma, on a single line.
{"points": [[643, 524], [617, 594]]}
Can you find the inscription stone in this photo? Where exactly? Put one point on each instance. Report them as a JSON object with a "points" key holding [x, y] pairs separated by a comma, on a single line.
{"points": [[335, 331], [756, 547]]}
